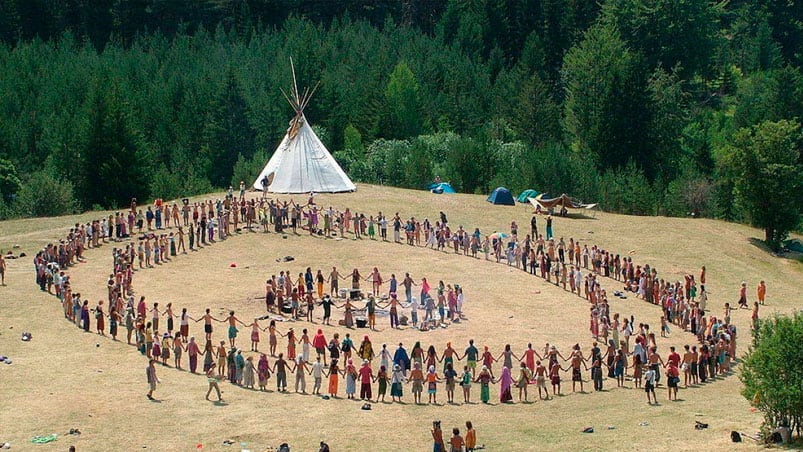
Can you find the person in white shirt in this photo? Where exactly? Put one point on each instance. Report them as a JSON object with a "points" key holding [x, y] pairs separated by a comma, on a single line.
{"points": [[317, 375], [649, 385]]}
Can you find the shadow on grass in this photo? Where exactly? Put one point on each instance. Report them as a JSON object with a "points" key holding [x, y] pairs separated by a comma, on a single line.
{"points": [[789, 255], [581, 216]]}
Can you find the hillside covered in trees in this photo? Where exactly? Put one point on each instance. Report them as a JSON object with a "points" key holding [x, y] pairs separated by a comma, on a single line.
{"points": [[645, 106]]}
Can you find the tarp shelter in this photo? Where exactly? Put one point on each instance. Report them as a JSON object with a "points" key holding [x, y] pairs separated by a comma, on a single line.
{"points": [[561, 201], [441, 188], [525, 196], [502, 196], [301, 163]]}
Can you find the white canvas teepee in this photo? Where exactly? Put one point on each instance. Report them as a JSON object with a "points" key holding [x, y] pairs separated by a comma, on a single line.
{"points": [[301, 163]]}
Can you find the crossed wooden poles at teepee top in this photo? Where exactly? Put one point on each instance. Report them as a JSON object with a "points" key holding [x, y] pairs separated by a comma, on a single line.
{"points": [[300, 101]]}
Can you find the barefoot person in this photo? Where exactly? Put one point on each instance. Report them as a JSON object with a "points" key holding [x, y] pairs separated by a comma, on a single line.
{"points": [[2, 269], [540, 379], [649, 385], [150, 373], [233, 321], [212, 379], [577, 377], [761, 290], [207, 318]]}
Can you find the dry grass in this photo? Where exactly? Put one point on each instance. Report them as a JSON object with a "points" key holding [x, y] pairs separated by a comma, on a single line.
{"points": [[63, 379]]}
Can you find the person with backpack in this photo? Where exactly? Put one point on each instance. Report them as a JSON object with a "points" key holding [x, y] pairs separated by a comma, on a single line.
{"points": [[346, 346]]}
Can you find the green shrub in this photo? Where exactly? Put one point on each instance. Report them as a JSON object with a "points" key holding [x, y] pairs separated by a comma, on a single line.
{"points": [[42, 195], [772, 371]]}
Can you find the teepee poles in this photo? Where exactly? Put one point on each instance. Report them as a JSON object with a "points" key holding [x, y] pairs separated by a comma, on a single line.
{"points": [[295, 83]]}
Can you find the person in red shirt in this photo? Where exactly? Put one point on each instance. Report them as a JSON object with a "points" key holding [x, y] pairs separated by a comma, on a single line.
{"points": [[673, 378], [674, 357], [366, 377], [319, 342]]}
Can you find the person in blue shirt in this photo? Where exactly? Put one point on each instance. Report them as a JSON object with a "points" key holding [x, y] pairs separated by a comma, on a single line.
{"points": [[402, 359]]}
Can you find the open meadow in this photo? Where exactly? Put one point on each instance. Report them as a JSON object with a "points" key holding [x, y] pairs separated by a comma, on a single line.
{"points": [[65, 378]]}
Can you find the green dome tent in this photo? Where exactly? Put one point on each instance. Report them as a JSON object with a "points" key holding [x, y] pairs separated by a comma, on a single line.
{"points": [[526, 194]]}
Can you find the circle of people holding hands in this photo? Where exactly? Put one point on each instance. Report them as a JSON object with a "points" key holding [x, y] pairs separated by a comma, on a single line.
{"points": [[680, 302]]}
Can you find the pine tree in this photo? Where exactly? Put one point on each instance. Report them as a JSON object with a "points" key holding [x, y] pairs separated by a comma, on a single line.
{"points": [[228, 132], [112, 169]]}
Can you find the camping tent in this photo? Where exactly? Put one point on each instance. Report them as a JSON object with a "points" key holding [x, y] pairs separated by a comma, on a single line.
{"points": [[441, 188], [501, 196], [301, 163], [525, 196]]}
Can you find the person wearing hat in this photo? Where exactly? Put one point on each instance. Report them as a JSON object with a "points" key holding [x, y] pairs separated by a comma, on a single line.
{"points": [[366, 377], [484, 379], [396, 380]]}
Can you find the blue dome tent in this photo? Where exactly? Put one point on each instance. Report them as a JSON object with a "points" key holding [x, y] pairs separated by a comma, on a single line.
{"points": [[441, 188], [502, 196]]}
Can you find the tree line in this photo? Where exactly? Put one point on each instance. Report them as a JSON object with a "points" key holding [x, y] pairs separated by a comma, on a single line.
{"points": [[671, 107]]}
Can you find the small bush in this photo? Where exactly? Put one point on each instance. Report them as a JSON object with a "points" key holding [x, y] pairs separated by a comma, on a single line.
{"points": [[43, 195]]}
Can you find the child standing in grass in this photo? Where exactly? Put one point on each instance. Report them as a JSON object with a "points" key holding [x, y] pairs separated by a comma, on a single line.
{"points": [[456, 443], [664, 327], [471, 437], [432, 385]]}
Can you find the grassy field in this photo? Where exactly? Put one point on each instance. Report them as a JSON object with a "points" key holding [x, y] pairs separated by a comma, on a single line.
{"points": [[65, 378]]}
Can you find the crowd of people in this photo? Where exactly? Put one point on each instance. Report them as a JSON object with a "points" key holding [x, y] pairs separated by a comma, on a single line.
{"points": [[557, 262]]}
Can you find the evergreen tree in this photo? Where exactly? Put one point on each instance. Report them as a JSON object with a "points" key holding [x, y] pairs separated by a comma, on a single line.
{"points": [[228, 132], [536, 115], [604, 106], [403, 103], [112, 167]]}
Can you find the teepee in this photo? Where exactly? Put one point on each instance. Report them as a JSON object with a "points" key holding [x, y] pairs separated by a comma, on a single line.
{"points": [[301, 163]]}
